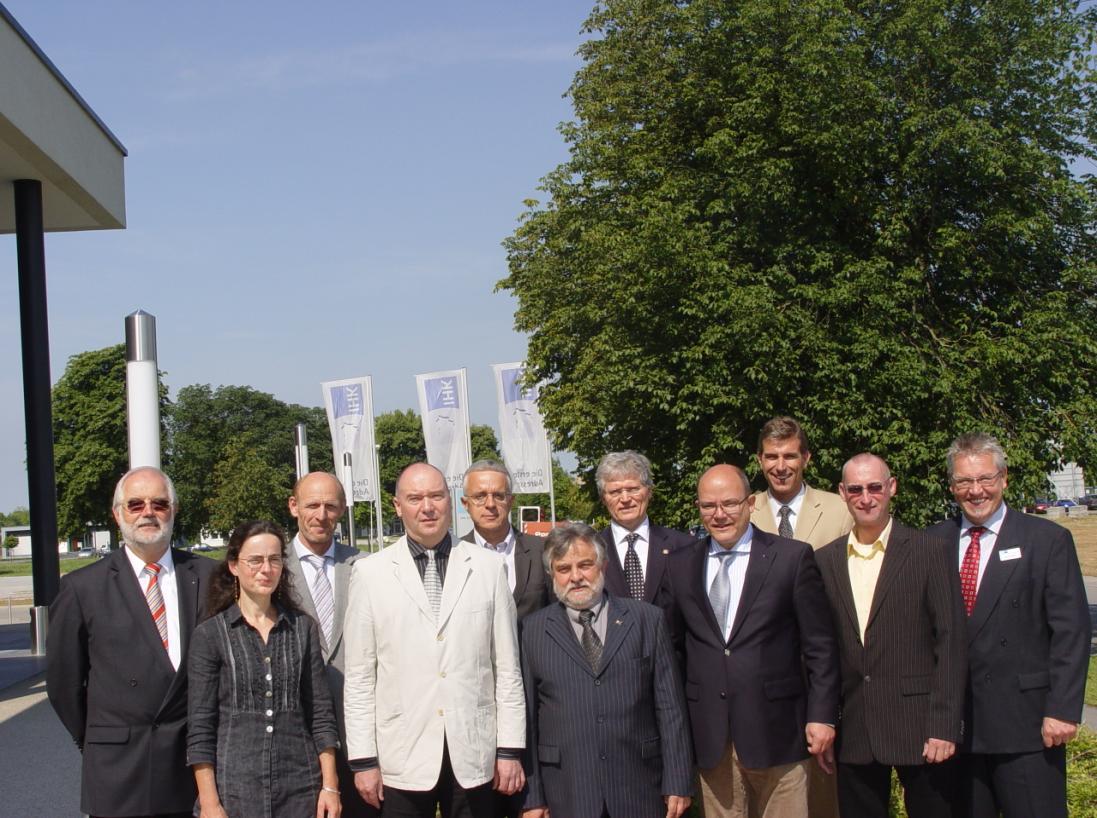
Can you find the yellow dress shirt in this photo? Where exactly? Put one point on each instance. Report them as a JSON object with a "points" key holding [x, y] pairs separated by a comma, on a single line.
{"points": [[864, 561]]}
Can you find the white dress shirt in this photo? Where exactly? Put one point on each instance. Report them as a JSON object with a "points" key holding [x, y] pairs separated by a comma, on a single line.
{"points": [[644, 531], [736, 566], [169, 589], [987, 539], [310, 570], [794, 505], [505, 549]]}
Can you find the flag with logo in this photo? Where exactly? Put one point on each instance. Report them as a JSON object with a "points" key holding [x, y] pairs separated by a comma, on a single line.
{"points": [[521, 431], [349, 404], [443, 407]]}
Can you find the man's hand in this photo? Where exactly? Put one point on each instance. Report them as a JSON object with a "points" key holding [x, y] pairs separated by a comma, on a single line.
{"points": [[820, 739], [1057, 732], [676, 805], [825, 760], [536, 812], [937, 750], [509, 776], [368, 784]]}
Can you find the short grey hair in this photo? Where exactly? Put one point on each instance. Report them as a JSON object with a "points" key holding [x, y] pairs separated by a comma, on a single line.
{"points": [[615, 465], [973, 444], [866, 456], [562, 538], [489, 465], [119, 489]]}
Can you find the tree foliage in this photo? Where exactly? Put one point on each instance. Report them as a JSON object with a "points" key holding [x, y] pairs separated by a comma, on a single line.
{"points": [[20, 515], [90, 444], [871, 216], [246, 485]]}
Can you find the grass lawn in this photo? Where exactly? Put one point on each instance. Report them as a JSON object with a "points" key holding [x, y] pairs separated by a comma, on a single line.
{"points": [[1085, 540], [1091, 682]]}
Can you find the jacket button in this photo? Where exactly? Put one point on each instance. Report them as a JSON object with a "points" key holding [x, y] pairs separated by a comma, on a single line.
{"points": [[727, 652], [868, 678], [133, 683], [1016, 603], [986, 678], [723, 695], [597, 682], [1003, 643]]}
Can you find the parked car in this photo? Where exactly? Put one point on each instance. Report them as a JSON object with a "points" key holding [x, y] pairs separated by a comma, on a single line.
{"points": [[1038, 506], [1065, 503], [1089, 501], [201, 547]]}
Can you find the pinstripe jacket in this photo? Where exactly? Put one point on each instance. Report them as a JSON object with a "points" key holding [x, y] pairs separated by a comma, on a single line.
{"points": [[617, 738], [905, 684]]}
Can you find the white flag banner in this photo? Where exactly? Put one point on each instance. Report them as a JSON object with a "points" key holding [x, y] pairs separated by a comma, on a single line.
{"points": [[350, 416], [524, 442], [443, 407]]}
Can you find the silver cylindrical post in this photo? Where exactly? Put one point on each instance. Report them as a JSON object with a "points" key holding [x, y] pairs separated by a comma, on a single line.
{"points": [[39, 628], [301, 449], [142, 390]]}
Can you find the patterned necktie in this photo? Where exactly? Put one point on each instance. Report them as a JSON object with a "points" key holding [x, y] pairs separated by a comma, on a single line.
{"points": [[634, 575], [322, 596], [592, 645], [785, 527], [155, 599], [719, 595], [432, 583], [969, 569]]}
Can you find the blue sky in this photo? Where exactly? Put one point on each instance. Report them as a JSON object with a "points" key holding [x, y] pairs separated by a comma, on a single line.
{"points": [[314, 191]]}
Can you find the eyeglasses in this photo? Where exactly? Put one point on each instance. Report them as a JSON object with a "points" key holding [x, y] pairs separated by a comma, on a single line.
{"points": [[985, 481], [856, 490], [479, 499], [158, 505], [625, 491], [726, 506], [255, 563]]}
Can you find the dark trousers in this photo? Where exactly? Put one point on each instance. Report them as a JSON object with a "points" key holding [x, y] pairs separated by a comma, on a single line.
{"points": [[1018, 785], [929, 790], [508, 806], [453, 799], [353, 804]]}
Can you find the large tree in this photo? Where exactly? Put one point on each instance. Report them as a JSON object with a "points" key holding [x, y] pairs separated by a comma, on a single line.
{"points": [[873, 216], [90, 445]]}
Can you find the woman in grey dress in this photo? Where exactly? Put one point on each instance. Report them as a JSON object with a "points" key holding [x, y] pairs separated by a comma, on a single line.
{"points": [[261, 733]]}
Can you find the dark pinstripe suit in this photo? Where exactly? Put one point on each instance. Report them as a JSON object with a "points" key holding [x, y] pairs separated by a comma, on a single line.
{"points": [[905, 684], [664, 542], [616, 739]]}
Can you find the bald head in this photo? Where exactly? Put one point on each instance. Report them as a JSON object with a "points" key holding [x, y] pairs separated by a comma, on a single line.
{"points": [[725, 502], [317, 503], [422, 502], [867, 460]]}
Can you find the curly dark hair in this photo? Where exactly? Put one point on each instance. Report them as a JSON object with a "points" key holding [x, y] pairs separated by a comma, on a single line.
{"points": [[222, 589]]}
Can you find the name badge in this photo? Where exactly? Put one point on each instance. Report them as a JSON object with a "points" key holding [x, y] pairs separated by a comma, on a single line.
{"points": [[1009, 554]]}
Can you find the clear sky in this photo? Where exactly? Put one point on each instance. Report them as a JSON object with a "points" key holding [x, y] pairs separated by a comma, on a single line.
{"points": [[313, 190]]}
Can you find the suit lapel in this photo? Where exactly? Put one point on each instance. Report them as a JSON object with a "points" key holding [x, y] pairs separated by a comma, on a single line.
{"points": [[344, 562], [658, 549], [996, 576], [615, 574], [845, 589], [407, 575], [458, 569], [811, 512], [521, 566], [758, 565], [763, 515], [129, 590], [618, 624], [895, 557], [558, 629], [186, 581], [698, 564]]}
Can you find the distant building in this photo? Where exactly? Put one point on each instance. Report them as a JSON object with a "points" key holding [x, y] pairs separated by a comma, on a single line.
{"points": [[1069, 483]]}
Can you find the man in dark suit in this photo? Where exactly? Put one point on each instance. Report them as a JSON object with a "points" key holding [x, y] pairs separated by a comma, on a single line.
{"points": [[637, 550], [606, 719], [321, 572], [761, 673], [488, 499], [896, 608], [117, 658], [1028, 636]]}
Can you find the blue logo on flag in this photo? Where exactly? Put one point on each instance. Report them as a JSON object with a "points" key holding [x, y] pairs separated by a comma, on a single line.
{"points": [[442, 393], [513, 391], [347, 400]]}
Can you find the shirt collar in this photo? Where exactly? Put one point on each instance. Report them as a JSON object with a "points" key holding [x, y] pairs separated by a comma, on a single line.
{"points": [[573, 614], [303, 550], [441, 551], [167, 565], [620, 532], [742, 545], [866, 548], [993, 524], [235, 616], [508, 541]]}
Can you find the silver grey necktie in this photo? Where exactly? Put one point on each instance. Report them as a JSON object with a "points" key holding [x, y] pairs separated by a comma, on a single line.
{"points": [[322, 597], [719, 595], [432, 583], [592, 645], [785, 528]]}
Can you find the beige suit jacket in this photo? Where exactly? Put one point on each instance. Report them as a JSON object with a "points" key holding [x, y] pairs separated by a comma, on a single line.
{"points": [[412, 684], [823, 517]]}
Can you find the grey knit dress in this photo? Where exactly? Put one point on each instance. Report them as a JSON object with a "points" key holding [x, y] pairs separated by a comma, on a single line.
{"points": [[260, 713]]}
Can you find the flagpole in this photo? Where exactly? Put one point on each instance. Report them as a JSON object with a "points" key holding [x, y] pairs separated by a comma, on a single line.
{"points": [[377, 495], [348, 477]]}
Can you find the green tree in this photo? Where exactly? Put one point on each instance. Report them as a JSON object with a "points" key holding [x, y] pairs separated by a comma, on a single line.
{"points": [[484, 444], [204, 423], [245, 485], [573, 502], [862, 214], [90, 445], [20, 515]]}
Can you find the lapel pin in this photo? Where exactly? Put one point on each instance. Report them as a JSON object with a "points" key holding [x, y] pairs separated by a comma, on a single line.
{"points": [[666, 551], [616, 621]]}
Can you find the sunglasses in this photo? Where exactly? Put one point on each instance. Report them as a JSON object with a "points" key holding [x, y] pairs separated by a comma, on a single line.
{"points": [[158, 506], [857, 490]]}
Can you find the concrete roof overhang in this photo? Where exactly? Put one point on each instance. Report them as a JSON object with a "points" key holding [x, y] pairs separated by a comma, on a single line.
{"points": [[48, 133]]}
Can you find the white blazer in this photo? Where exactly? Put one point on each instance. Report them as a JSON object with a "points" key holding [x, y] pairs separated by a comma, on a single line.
{"points": [[410, 684]]}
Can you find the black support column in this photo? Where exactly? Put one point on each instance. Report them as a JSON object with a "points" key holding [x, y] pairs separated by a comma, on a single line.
{"points": [[37, 404]]}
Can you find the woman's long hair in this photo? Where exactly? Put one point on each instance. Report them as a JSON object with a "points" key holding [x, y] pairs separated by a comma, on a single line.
{"points": [[223, 590]]}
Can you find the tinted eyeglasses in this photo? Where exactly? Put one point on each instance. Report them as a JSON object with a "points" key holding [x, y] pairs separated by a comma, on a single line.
{"points": [[856, 490], [158, 505]]}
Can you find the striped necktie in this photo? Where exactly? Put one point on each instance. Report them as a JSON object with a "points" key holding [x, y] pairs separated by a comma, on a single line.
{"points": [[322, 596], [155, 599], [432, 583]]}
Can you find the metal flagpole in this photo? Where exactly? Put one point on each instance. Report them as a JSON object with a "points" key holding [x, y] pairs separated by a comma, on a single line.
{"points": [[348, 479], [377, 495], [301, 449]]}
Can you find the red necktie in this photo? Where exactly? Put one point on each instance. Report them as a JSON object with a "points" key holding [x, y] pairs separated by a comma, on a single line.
{"points": [[969, 569], [155, 598]]}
